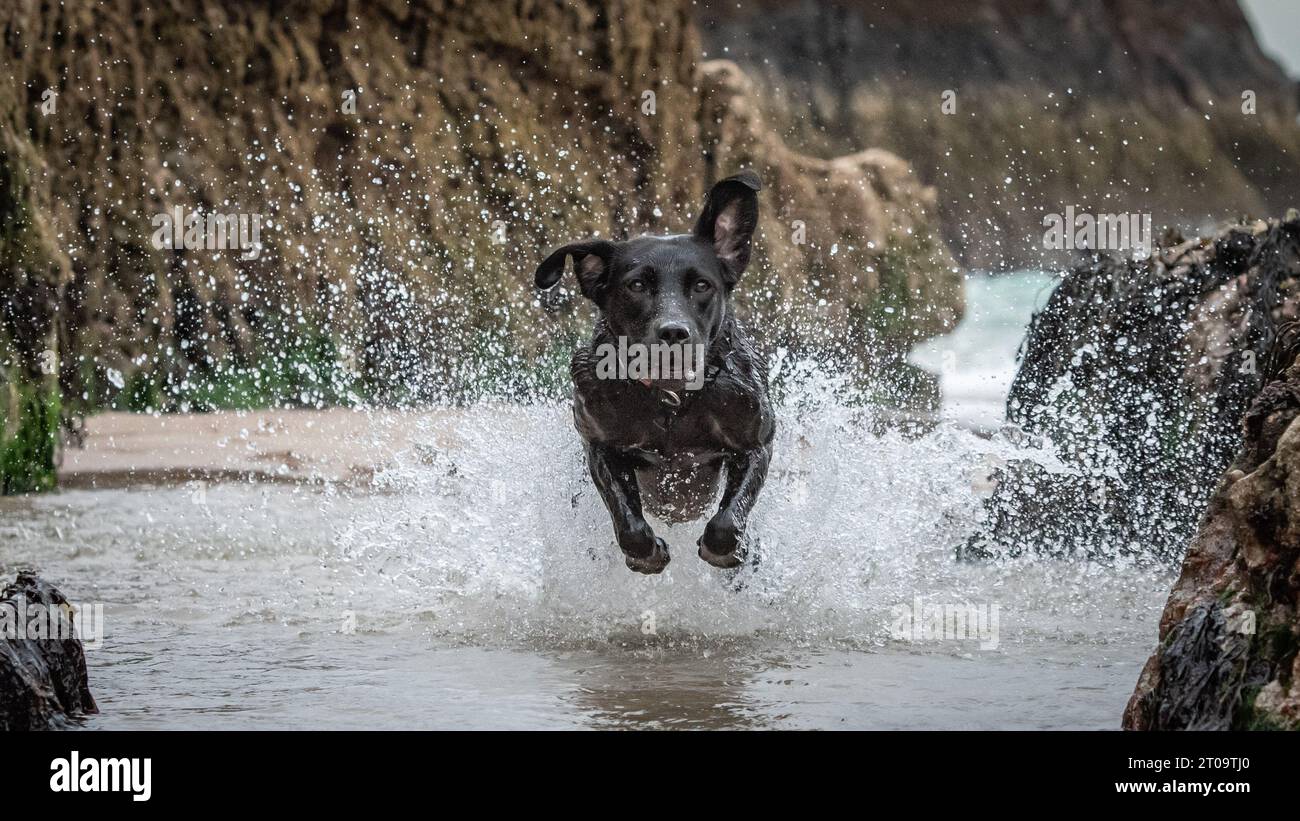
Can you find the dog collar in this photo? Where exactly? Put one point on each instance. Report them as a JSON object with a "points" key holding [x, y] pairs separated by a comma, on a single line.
{"points": [[673, 399], [670, 398]]}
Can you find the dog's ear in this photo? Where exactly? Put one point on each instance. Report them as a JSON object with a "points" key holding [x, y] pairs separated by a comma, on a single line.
{"points": [[591, 262], [728, 221]]}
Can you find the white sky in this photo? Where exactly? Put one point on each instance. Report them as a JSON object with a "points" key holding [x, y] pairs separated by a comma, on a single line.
{"points": [[1277, 26]]}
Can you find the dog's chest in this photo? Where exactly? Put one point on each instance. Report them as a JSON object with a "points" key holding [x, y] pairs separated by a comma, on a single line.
{"points": [[657, 432]]}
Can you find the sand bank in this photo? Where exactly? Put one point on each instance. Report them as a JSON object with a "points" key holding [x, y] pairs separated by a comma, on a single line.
{"points": [[335, 445]]}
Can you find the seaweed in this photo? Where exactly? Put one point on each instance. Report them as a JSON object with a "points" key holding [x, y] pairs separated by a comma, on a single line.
{"points": [[29, 437]]}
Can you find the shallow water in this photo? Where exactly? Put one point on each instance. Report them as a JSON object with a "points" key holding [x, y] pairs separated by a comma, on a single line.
{"points": [[478, 586]]}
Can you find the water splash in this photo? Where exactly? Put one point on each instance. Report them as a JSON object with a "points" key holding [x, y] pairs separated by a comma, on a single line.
{"points": [[496, 534]]}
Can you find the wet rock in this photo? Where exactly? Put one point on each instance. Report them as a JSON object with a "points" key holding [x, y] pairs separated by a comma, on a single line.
{"points": [[1136, 374], [1229, 654], [412, 163], [43, 683]]}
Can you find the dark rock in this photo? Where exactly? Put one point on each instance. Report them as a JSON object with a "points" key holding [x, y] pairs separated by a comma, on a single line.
{"points": [[1202, 676], [43, 683], [1137, 373]]}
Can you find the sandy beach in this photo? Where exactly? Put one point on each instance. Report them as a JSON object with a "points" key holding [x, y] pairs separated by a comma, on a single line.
{"points": [[335, 445]]}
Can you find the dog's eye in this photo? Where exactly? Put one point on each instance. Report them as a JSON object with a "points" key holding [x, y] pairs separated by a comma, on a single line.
{"points": [[702, 286], [637, 285]]}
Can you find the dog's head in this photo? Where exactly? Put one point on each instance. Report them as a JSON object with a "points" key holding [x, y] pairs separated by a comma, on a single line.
{"points": [[674, 289]]}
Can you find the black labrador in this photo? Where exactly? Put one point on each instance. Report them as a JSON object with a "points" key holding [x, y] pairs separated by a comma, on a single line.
{"points": [[663, 436]]}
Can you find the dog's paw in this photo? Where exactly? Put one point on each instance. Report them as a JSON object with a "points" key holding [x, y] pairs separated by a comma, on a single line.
{"points": [[643, 550], [750, 554], [726, 561], [721, 545], [655, 562]]}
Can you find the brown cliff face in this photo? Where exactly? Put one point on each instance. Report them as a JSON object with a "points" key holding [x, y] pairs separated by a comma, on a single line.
{"points": [[1107, 105], [849, 260], [411, 163], [379, 143]]}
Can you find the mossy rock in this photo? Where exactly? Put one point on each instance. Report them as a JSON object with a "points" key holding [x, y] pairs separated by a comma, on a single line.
{"points": [[29, 431]]}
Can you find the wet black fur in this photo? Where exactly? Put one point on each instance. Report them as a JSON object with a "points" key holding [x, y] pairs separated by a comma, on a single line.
{"points": [[660, 445]]}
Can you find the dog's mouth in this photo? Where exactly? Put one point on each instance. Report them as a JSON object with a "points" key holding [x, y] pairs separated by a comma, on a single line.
{"points": [[676, 368], [692, 381], [673, 384]]}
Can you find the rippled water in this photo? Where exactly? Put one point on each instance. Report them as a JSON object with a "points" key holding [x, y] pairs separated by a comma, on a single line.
{"points": [[478, 586]]}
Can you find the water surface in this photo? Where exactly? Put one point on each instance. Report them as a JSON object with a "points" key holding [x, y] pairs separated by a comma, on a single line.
{"points": [[477, 585]]}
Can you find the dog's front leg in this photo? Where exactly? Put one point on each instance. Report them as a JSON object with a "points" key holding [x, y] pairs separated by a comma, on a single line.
{"points": [[615, 478], [725, 532]]}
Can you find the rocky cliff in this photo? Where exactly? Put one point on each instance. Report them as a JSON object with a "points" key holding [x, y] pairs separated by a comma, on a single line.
{"points": [[1229, 654], [1163, 107], [407, 164]]}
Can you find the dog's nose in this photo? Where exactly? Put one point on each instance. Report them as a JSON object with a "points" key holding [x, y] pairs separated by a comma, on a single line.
{"points": [[674, 333]]}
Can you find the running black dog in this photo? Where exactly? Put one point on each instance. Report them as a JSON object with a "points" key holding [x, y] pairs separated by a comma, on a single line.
{"points": [[665, 437]]}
